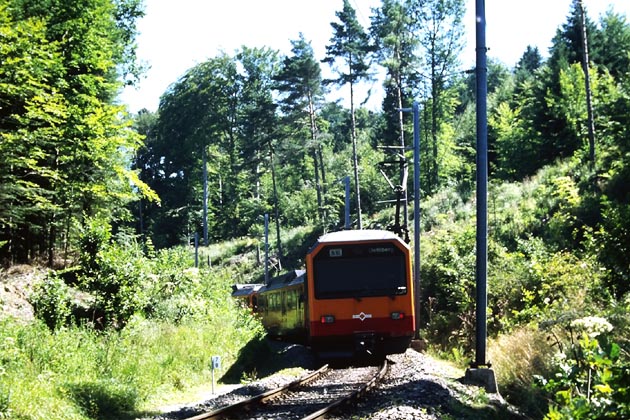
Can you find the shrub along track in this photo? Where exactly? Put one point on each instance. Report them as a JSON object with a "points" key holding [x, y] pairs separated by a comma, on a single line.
{"points": [[307, 398]]}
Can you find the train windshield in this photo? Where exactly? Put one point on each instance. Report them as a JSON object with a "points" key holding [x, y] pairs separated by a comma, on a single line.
{"points": [[359, 270]]}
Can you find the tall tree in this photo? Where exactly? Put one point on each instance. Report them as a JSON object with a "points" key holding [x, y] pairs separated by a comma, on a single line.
{"points": [[392, 30], [559, 138], [350, 47], [258, 127], [615, 35], [587, 82], [300, 84], [145, 124], [530, 61], [30, 114], [199, 112], [84, 152], [439, 25], [223, 108]]}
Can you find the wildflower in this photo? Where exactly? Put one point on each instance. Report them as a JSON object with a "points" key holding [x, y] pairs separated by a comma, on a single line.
{"points": [[592, 325], [191, 273]]}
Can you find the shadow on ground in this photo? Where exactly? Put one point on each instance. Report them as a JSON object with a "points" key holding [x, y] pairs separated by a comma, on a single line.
{"points": [[262, 357], [105, 399]]}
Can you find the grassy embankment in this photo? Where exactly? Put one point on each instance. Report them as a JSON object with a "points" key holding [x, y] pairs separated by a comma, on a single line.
{"points": [[181, 318]]}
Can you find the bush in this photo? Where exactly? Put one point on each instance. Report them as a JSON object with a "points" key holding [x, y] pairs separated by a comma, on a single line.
{"points": [[52, 301], [448, 281], [563, 286], [592, 379], [104, 398]]}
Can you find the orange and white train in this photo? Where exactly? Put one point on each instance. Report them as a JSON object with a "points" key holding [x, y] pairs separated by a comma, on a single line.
{"points": [[354, 299]]}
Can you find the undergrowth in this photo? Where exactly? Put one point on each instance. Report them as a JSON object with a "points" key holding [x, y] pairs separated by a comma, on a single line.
{"points": [[119, 331], [548, 268]]}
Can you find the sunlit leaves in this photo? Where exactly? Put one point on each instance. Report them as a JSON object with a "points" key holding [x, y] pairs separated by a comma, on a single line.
{"points": [[65, 144]]}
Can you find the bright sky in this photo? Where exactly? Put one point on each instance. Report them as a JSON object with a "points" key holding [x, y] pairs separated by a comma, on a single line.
{"points": [[176, 35]]}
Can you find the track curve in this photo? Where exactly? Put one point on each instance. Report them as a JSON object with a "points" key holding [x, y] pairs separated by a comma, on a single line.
{"points": [[308, 398]]}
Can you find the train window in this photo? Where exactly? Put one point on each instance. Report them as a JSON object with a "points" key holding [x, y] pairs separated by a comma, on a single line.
{"points": [[362, 271]]}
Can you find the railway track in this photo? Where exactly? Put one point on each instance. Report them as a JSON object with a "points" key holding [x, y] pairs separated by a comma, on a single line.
{"points": [[308, 398]]}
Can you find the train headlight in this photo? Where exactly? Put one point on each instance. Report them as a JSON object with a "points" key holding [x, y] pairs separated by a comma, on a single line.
{"points": [[398, 315], [327, 319]]}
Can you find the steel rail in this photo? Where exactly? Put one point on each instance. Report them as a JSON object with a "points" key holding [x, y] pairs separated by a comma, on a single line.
{"points": [[257, 399], [356, 394]]}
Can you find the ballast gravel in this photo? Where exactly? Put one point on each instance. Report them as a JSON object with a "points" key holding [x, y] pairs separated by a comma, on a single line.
{"points": [[416, 386]]}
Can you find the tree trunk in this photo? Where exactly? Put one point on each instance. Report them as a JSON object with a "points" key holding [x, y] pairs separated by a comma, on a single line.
{"points": [[355, 157], [587, 86], [275, 205], [51, 242], [434, 117], [315, 149], [401, 127], [205, 197]]}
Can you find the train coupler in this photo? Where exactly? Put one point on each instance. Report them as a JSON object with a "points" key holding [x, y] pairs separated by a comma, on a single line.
{"points": [[365, 344]]}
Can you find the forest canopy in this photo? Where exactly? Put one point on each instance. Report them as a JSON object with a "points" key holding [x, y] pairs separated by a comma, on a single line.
{"points": [[250, 133], [66, 147]]}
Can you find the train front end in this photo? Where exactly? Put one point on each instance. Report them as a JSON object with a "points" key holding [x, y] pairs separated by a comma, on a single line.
{"points": [[360, 294]]}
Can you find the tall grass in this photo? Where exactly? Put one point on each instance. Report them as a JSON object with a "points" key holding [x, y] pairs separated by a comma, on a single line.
{"points": [[517, 358], [78, 373], [72, 370]]}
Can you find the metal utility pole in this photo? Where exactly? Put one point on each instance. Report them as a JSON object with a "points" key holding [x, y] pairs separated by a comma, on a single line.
{"points": [[480, 372], [481, 72], [416, 206], [348, 223]]}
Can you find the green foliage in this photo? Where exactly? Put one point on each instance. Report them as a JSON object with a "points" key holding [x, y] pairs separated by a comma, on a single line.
{"points": [[448, 279], [182, 317], [65, 144], [52, 302], [555, 286], [592, 378], [117, 281], [76, 373], [113, 274]]}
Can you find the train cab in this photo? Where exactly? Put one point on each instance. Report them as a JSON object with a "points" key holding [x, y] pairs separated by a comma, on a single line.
{"points": [[360, 294]]}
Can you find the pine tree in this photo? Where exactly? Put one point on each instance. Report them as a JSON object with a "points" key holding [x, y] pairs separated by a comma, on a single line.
{"points": [[300, 83], [439, 24], [350, 47]]}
